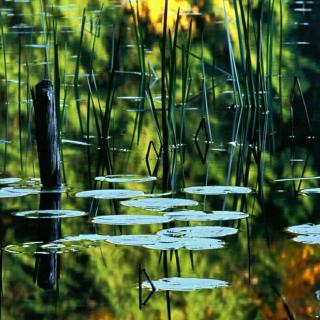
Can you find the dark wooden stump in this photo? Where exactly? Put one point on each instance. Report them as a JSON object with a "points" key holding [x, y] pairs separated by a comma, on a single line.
{"points": [[47, 267], [47, 134]]}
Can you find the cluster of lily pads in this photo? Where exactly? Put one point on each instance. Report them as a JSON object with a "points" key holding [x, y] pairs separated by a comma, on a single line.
{"points": [[186, 237]]}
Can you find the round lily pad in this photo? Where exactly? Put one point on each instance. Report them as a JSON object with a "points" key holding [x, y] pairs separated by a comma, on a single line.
{"points": [[109, 194], [198, 232], [217, 190], [134, 240], [9, 193], [159, 204], [128, 219], [308, 239], [203, 244], [166, 243], [37, 247], [185, 284], [305, 229], [21, 190], [49, 214], [85, 237], [9, 180], [185, 213], [125, 178], [311, 191], [216, 216]]}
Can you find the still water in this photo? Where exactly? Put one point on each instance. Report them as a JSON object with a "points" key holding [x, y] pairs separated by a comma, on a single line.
{"points": [[188, 163]]}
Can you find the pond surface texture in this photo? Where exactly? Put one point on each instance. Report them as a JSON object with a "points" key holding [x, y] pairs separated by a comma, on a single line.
{"points": [[188, 135]]}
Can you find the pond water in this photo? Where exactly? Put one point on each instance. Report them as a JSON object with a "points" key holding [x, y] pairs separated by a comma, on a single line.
{"points": [[189, 161]]}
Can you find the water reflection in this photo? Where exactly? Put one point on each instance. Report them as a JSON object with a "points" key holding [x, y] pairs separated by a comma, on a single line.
{"points": [[47, 266]]}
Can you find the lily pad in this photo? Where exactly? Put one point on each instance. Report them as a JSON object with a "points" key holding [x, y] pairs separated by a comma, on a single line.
{"points": [[216, 216], [109, 194], [185, 213], [85, 237], [9, 180], [197, 244], [217, 190], [21, 190], [9, 193], [308, 239], [49, 214], [198, 232], [125, 178], [185, 284], [311, 191], [134, 240], [305, 229], [128, 219], [166, 243], [37, 247], [159, 204]]}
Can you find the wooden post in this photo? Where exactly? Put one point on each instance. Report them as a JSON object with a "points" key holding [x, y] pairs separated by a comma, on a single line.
{"points": [[47, 267], [47, 134]]}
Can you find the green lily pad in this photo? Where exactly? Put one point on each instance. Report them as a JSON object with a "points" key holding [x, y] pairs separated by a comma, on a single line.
{"points": [[305, 229], [184, 213], [128, 219], [308, 239], [12, 193], [197, 244], [217, 190], [134, 240], [49, 214], [85, 237], [125, 178], [159, 204], [198, 232], [9, 180], [311, 191], [166, 243], [21, 190], [37, 247], [110, 194], [216, 216], [185, 284]]}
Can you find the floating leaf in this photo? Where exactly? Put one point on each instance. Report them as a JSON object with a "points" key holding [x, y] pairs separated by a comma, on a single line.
{"points": [[185, 213], [37, 247], [308, 239], [203, 244], [49, 214], [9, 193], [185, 284], [159, 204], [198, 231], [311, 191], [134, 240], [9, 180], [125, 219], [166, 243], [217, 190], [216, 216], [110, 194], [21, 190], [85, 237], [305, 229], [125, 178]]}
